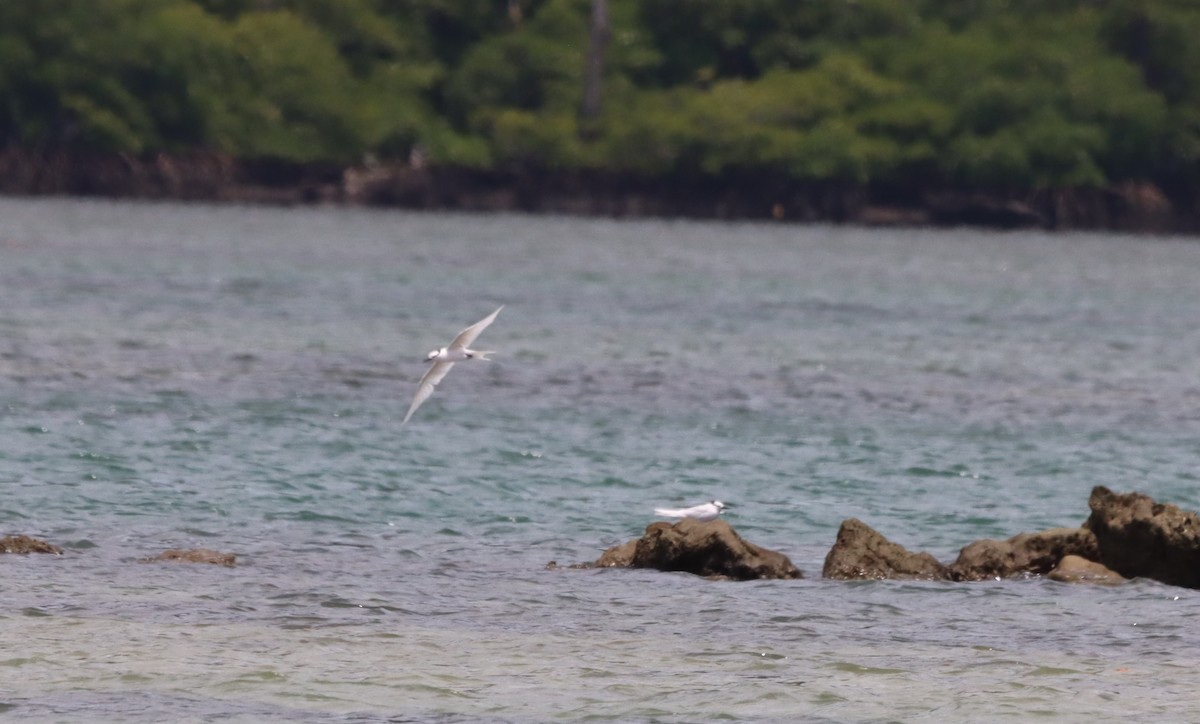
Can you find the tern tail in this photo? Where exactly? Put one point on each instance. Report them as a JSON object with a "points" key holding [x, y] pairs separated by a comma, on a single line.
{"points": [[484, 355]]}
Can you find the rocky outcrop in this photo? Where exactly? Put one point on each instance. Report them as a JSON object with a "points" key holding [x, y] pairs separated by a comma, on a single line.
{"points": [[25, 544], [194, 555], [1074, 569], [711, 549], [1127, 536], [861, 552], [1138, 537], [1024, 554]]}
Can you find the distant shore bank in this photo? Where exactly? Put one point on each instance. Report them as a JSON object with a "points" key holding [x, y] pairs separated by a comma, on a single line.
{"points": [[1134, 207]]}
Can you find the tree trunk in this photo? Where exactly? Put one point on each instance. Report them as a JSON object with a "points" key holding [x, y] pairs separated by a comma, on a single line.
{"points": [[593, 72]]}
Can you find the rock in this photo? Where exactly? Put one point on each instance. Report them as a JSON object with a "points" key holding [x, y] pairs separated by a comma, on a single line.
{"points": [[979, 209], [1074, 569], [554, 566], [194, 555], [618, 556], [25, 544], [710, 549], [1138, 537], [861, 552], [1027, 553]]}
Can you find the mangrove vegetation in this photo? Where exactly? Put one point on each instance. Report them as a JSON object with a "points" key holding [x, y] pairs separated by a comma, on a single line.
{"points": [[1030, 94]]}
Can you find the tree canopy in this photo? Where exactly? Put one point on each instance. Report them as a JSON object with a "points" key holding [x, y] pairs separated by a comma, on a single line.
{"points": [[982, 93]]}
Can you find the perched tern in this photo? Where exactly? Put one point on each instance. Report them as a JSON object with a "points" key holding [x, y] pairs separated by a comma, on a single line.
{"points": [[443, 359], [702, 512]]}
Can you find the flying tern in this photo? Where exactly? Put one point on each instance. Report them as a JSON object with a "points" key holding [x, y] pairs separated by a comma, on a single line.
{"points": [[443, 359], [702, 512]]}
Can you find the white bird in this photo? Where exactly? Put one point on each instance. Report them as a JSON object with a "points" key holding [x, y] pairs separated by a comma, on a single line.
{"points": [[702, 512], [443, 359]]}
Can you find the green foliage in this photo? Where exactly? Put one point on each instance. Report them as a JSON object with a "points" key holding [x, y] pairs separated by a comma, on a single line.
{"points": [[537, 67], [295, 93], [144, 75], [1159, 38], [1038, 105], [811, 124], [702, 40], [1014, 93], [72, 94]]}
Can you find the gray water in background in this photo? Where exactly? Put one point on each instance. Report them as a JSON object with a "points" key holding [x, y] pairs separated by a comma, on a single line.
{"points": [[234, 378]]}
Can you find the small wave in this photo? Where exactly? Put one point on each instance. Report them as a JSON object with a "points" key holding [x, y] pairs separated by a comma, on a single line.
{"points": [[956, 471], [307, 516]]}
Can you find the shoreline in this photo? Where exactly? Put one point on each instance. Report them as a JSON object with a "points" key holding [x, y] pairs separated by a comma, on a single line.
{"points": [[1139, 208]]}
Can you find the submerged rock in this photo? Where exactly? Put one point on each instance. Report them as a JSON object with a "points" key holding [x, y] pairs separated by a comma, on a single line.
{"points": [[710, 549], [194, 555], [862, 552], [1074, 569], [1023, 554], [25, 544], [1138, 537]]}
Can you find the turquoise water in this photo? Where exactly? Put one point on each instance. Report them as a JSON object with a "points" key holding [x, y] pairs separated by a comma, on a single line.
{"points": [[234, 378]]}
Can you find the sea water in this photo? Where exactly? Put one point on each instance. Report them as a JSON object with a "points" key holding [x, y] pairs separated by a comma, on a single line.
{"points": [[233, 378]]}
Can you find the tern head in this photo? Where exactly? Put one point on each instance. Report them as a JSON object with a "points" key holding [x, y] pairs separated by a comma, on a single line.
{"points": [[718, 505], [433, 354]]}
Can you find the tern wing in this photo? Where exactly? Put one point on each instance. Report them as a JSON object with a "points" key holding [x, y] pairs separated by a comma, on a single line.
{"points": [[704, 511], [432, 376], [466, 337]]}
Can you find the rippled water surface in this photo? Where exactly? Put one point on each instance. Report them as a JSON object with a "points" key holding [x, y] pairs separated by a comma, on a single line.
{"points": [[234, 378]]}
